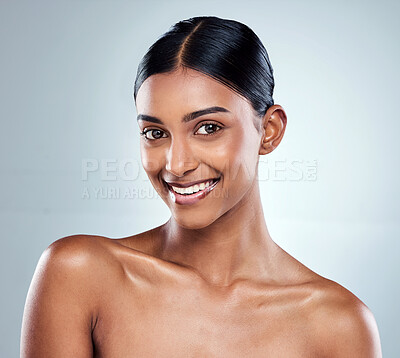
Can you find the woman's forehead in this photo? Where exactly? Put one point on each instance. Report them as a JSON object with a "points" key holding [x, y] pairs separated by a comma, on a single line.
{"points": [[188, 87]]}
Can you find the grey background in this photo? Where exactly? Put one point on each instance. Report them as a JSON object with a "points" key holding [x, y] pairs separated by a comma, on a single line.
{"points": [[67, 69]]}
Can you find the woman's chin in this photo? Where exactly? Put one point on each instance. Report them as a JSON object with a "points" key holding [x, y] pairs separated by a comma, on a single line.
{"points": [[193, 222]]}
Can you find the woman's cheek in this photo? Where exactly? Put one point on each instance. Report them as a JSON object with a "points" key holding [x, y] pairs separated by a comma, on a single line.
{"points": [[150, 160], [232, 157]]}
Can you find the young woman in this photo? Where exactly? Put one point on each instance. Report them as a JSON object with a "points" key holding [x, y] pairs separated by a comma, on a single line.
{"points": [[210, 282]]}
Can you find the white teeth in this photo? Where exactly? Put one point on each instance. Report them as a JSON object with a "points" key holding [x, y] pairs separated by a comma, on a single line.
{"points": [[179, 190], [192, 189]]}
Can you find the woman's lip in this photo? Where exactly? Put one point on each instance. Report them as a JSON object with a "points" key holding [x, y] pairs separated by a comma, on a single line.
{"points": [[186, 185], [189, 199]]}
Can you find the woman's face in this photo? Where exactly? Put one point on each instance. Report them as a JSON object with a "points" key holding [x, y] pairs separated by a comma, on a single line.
{"points": [[180, 144]]}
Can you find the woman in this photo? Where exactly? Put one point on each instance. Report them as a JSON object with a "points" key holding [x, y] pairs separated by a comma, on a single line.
{"points": [[210, 282]]}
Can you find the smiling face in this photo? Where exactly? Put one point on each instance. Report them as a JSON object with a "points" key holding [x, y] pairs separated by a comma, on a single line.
{"points": [[195, 129]]}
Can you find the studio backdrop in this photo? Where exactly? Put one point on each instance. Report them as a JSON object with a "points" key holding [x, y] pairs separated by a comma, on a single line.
{"points": [[70, 160]]}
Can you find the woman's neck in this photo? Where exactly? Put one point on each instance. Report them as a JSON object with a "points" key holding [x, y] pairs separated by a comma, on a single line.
{"points": [[237, 246]]}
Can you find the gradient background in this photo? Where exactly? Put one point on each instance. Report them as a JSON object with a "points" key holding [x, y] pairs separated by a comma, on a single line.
{"points": [[67, 70]]}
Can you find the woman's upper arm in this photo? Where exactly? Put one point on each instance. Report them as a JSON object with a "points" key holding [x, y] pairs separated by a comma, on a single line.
{"points": [[59, 311], [357, 333], [346, 327]]}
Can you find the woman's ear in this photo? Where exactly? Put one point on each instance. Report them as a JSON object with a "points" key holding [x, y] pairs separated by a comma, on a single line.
{"points": [[274, 125]]}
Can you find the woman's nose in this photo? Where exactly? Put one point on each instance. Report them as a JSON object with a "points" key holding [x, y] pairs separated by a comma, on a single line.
{"points": [[180, 158]]}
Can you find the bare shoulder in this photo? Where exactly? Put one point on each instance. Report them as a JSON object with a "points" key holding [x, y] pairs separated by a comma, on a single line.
{"points": [[91, 256], [76, 262], [77, 265], [62, 303], [77, 252], [82, 246], [343, 325]]}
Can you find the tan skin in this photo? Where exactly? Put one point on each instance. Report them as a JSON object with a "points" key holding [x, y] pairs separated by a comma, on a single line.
{"points": [[210, 282]]}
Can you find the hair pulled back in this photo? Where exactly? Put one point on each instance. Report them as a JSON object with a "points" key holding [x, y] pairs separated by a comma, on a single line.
{"points": [[226, 50]]}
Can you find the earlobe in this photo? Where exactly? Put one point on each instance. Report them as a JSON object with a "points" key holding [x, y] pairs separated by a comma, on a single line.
{"points": [[274, 126], [265, 146]]}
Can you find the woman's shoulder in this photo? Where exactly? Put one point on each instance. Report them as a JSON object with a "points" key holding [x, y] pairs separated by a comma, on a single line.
{"points": [[331, 298], [82, 260], [343, 324], [71, 276], [96, 253], [78, 250]]}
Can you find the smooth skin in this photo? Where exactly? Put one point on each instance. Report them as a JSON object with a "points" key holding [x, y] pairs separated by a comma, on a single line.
{"points": [[210, 282]]}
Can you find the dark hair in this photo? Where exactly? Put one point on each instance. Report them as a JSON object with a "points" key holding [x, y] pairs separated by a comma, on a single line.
{"points": [[226, 50]]}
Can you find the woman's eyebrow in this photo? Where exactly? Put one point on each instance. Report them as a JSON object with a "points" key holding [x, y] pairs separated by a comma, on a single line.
{"points": [[187, 117]]}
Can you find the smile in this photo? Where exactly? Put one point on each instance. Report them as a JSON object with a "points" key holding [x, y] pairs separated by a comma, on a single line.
{"points": [[192, 194], [192, 189]]}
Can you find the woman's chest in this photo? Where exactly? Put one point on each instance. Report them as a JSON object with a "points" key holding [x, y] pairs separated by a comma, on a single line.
{"points": [[159, 321]]}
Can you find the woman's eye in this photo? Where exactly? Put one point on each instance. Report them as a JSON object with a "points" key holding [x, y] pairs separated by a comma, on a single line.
{"points": [[152, 134], [208, 128], [205, 129]]}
